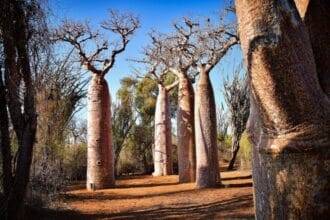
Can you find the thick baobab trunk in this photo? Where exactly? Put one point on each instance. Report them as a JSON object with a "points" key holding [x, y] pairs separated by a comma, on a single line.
{"points": [[100, 161], [186, 131], [163, 137], [207, 165], [294, 147]]}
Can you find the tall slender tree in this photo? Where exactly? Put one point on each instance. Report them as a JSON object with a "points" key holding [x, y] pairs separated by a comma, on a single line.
{"points": [[288, 86], [100, 164], [236, 95], [17, 95], [123, 117]]}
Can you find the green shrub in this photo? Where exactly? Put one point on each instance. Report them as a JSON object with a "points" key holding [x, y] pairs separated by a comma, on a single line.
{"points": [[245, 152], [224, 147]]}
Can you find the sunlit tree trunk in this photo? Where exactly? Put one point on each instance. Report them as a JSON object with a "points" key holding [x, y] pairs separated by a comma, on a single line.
{"points": [[100, 161], [294, 111], [207, 165], [186, 132], [163, 142], [234, 149], [259, 175]]}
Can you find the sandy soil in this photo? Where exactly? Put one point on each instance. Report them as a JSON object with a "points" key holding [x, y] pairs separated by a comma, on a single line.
{"points": [[147, 197]]}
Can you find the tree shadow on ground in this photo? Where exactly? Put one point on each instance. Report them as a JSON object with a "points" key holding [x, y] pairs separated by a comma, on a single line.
{"points": [[145, 185], [223, 209], [82, 185], [116, 195], [236, 177], [113, 196]]}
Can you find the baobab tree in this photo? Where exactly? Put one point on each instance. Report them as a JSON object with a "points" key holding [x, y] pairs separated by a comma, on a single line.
{"points": [[288, 76], [100, 164], [181, 64], [236, 95], [163, 129], [213, 42], [163, 132], [165, 54], [156, 59]]}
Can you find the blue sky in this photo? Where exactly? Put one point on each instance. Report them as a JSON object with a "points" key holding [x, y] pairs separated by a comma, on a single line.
{"points": [[154, 14]]}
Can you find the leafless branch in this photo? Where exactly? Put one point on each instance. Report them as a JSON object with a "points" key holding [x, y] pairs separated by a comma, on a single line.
{"points": [[79, 34], [124, 25]]}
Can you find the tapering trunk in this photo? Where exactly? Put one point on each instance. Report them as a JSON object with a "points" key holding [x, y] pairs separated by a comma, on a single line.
{"points": [[186, 131], [100, 160], [293, 152], [235, 148], [163, 137], [207, 165]]}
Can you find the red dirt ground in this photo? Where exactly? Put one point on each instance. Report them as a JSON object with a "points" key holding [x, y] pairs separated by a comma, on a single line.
{"points": [[147, 197]]}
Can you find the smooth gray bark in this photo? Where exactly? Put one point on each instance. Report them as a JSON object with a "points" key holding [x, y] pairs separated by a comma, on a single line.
{"points": [[163, 138]]}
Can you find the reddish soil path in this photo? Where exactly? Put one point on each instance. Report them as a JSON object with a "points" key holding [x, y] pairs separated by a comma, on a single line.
{"points": [[147, 197]]}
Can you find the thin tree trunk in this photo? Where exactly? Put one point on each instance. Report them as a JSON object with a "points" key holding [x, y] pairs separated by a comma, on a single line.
{"points": [[163, 142], [100, 160], [293, 151], [207, 164], [253, 129], [116, 159], [17, 70], [5, 140], [235, 149], [186, 131]]}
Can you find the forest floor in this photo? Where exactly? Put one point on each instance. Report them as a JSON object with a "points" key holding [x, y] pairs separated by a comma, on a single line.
{"points": [[147, 197]]}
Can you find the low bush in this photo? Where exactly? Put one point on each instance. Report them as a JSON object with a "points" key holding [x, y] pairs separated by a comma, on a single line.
{"points": [[245, 152]]}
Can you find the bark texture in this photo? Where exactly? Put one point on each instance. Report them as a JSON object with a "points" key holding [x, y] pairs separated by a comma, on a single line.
{"points": [[100, 159], [207, 164], [186, 131], [163, 137], [291, 167], [5, 139], [20, 104], [234, 149], [259, 173]]}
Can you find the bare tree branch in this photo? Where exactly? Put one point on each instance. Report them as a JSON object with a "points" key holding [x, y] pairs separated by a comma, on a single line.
{"points": [[123, 24], [79, 34]]}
